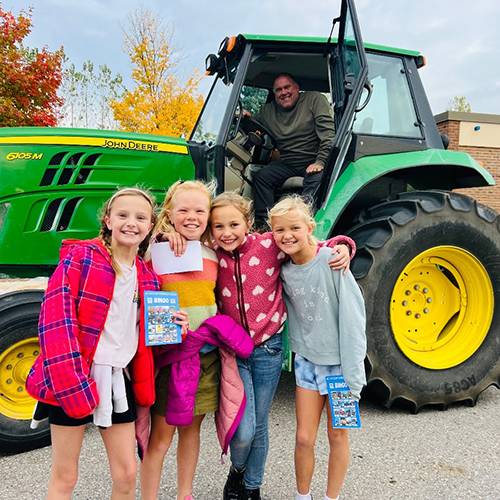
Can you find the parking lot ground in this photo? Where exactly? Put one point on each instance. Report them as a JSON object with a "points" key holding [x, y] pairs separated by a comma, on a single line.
{"points": [[453, 454]]}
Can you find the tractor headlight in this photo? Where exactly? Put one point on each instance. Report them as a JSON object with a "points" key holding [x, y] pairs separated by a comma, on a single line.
{"points": [[212, 64]]}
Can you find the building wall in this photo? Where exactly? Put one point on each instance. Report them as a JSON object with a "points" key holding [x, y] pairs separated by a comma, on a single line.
{"points": [[478, 135]]}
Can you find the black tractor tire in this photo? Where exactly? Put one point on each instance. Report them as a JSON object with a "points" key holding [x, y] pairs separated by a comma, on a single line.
{"points": [[18, 323], [388, 236]]}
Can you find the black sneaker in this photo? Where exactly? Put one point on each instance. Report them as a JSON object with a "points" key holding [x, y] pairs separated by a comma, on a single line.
{"points": [[252, 494], [233, 489]]}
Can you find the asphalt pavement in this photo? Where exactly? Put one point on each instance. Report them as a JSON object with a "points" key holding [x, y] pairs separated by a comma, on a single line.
{"points": [[453, 454]]}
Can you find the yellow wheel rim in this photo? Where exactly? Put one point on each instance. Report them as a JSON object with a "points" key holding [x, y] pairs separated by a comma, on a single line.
{"points": [[15, 363], [441, 307]]}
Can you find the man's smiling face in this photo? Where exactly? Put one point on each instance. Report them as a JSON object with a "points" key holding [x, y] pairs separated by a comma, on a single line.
{"points": [[286, 92]]}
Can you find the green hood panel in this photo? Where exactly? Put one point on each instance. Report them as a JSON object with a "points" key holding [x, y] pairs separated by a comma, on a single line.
{"points": [[90, 137], [53, 183]]}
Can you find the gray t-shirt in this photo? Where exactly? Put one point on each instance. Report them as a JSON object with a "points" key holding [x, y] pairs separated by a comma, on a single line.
{"points": [[305, 133], [326, 316]]}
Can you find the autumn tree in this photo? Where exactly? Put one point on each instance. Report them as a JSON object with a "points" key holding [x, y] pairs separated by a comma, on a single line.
{"points": [[88, 93], [29, 78], [159, 103]]}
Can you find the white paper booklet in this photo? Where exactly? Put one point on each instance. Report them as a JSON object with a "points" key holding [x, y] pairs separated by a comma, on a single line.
{"points": [[165, 262]]}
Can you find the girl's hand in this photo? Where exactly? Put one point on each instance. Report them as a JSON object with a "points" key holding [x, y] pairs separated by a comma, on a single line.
{"points": [[177, 242], [181, 318], [340, 258]]}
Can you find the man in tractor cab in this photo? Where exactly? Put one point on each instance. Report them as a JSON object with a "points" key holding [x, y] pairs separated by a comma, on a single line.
{"points": [[302, 125]]}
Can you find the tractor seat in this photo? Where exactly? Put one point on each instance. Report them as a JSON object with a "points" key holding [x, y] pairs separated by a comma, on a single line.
{"points": [[292, 184]]}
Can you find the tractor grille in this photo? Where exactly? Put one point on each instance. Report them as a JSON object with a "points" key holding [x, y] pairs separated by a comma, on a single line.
{"points": [[67, 169], [58, 214]]}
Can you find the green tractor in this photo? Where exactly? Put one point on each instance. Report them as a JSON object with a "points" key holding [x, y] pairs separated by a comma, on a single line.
{"points": [[428, 259]]}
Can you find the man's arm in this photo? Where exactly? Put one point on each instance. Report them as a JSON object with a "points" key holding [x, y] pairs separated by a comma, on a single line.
{"points": [[325, 130]]}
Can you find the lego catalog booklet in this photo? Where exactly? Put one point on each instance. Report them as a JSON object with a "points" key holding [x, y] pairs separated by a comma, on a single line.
{"points": [[158, 309], [345, 409]]}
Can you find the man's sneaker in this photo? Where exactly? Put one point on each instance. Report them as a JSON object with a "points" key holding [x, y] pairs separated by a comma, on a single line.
{"points": [[233, 489], [252, 494]]}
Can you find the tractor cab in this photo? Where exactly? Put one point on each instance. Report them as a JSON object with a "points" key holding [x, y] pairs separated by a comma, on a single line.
{"points": [[227, 143]]}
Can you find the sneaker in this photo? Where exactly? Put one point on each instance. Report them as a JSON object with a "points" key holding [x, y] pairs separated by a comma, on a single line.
{"points": [[233, 489], [252, 494]]}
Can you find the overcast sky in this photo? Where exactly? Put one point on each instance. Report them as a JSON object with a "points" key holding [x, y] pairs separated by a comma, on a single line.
{"points": [[460, 38]]}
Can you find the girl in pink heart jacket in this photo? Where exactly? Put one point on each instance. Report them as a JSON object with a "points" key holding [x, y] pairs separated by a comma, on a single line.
{"points": [[250, 291]]}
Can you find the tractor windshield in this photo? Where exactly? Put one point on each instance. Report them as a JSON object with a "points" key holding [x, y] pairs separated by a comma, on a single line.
{"points": [[210, 120]]}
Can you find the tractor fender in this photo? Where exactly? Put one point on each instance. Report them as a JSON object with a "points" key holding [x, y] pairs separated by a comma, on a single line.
{"points": [[439, 169]]}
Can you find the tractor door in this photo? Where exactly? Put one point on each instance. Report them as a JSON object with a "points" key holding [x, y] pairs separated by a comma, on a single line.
{"points": [[221, 112], [348, 72]]}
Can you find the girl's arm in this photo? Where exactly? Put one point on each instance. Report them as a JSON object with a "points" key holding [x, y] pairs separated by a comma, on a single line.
{"points": [[177, 242], [64, 365], [341, 240], [181, 318], [343, 249], [352, 336]]}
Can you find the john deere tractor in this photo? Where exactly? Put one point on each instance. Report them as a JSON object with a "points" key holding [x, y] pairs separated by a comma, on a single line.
{"points": [[428, 258]]}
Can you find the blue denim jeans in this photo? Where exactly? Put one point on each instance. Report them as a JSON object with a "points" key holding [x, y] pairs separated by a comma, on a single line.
{"points": [[260, 374]]}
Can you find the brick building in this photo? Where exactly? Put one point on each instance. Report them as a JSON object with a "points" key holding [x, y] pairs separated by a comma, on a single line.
{"points": [[479, 135]]}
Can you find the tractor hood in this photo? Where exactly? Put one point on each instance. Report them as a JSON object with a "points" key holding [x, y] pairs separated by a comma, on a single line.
{"points": [[54, 181]]}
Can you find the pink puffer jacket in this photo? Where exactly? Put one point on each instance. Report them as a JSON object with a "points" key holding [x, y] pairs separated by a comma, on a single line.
{"points": [[232, 339]]}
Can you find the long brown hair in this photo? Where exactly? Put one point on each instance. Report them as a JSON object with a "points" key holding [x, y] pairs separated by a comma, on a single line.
{"points": [[105, 232]]}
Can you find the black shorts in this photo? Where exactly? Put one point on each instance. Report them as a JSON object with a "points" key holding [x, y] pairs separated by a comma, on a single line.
{"points": [[58, 416]]}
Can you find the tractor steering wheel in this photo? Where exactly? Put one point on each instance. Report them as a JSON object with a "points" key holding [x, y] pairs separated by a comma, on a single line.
{"points": [[252, 127]]}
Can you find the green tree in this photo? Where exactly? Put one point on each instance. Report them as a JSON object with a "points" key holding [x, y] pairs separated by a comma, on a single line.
{"points": [[88, 93], [253, 98], [460, 103]]}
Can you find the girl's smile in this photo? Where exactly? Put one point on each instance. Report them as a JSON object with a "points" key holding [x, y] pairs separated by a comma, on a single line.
{"points": [[129, 221], [293, 235], [189, 214], [229, 227]]}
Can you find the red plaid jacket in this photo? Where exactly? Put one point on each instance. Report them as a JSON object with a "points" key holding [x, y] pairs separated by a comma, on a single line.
{"points": [[73, 314]]}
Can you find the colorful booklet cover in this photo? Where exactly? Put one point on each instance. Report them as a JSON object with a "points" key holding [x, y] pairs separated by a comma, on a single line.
{"points": [[158, 310], [345, 409]]}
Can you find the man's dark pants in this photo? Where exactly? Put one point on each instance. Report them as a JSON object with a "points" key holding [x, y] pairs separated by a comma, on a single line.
{"points": [[268, 179]]}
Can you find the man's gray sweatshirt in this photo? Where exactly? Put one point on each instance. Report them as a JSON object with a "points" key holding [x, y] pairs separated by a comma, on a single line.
{"points": [[304, 133], [326, 317]]}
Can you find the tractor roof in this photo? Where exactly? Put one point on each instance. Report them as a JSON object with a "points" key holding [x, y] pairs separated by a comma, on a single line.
{"points": [[321, 40]]}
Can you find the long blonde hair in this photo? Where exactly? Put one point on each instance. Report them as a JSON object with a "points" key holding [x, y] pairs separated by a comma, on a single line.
{"points": [[294, 202], [105, 232], [233, 199], [164, 225]]}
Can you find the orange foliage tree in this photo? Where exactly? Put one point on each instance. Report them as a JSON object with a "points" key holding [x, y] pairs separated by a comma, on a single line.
{"points": [[29, 78], [158, 104]]}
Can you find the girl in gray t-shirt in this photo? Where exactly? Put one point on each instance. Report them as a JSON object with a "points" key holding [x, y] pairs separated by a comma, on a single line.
{"points": [[326, 319]]}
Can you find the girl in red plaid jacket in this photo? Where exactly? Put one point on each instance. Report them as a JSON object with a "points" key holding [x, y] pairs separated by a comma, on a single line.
{"points": [[93, 363]]}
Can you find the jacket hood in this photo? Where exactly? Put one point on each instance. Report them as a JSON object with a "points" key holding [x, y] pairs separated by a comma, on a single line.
{"points": [[95, 244]]}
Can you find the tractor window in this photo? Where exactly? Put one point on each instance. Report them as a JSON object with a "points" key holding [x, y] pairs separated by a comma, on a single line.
{"points": [[210, 120], [391, 110]]}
